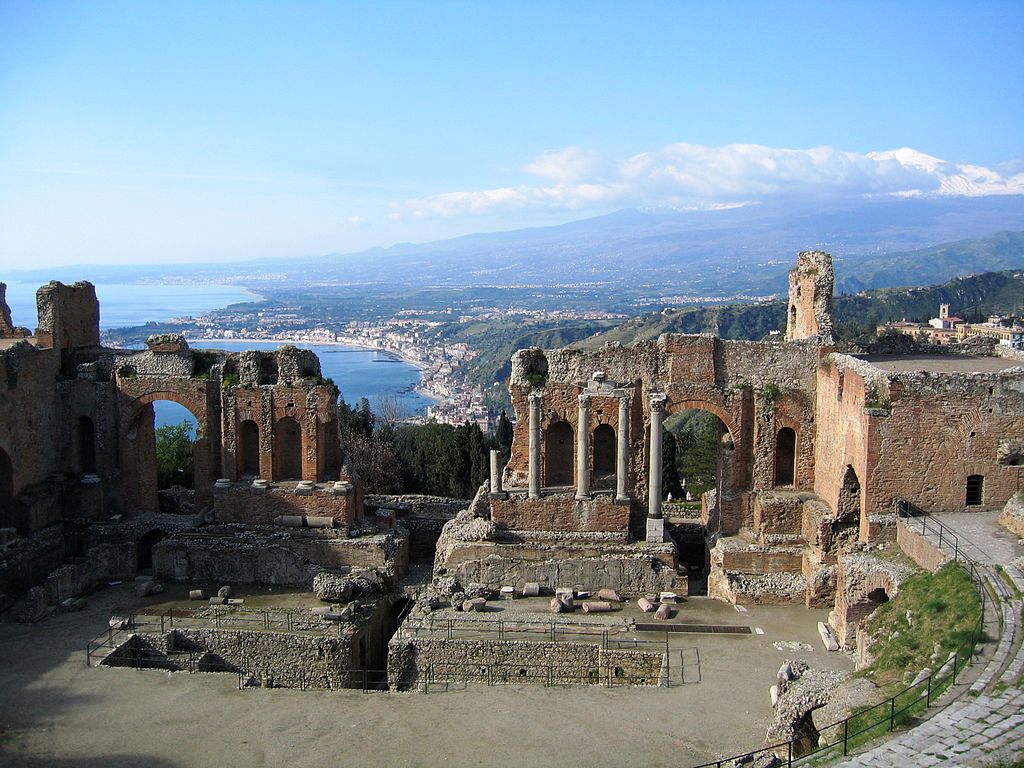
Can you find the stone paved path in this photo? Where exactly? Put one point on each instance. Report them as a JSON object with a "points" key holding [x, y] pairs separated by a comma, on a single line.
{"points": [[987, 725]]}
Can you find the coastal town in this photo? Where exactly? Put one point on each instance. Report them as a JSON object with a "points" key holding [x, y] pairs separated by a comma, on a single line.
{"points": [[416, 337]]}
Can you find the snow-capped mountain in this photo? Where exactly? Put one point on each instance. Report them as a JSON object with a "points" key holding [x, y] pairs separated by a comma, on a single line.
{"points": [[953, 178]]}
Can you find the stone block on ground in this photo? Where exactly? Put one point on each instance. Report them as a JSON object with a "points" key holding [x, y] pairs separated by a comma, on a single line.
{"points": [[531, 589], [610, 595], [224, 591], [597, 606], [664, 612], [479, 590], [195, 594], [557, 606], [646, 605], [143, 588], [827, 638], [668, 597], [475, 604], [508, 593]]}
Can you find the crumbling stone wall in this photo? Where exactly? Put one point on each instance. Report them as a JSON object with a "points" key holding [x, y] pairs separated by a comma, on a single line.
{"points": [[864, 581], [1012, 517], [560, 512], [411, 660], [916, 435], [274, 556], [284, 660], [755, 388], [240, 504], [811, 283]]}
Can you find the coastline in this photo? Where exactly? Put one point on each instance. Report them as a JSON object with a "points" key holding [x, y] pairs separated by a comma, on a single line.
{"points": [[417, 364]]}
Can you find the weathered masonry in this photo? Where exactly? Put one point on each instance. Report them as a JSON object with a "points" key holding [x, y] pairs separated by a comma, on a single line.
{"points": [[78, 469], [818, 447]]}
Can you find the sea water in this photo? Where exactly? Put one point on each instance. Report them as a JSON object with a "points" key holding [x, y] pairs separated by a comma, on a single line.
{"points": [[358, 372]]}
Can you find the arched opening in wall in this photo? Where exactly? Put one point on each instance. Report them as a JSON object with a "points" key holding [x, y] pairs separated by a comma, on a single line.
{"points": [[144, 550], [877, 597], [691, 454], [86, 446], [604, 456], [847, 524], [695, 449], [975, 490], [287, 449], [249, 449], [785, 457], [7, 516], [792, 317], [172, 429], [559, 453]]}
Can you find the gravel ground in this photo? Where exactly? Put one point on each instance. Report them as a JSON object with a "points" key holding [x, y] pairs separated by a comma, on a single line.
{"points": [[56, 712]]}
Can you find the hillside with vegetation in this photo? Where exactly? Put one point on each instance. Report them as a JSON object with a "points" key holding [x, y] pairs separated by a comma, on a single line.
{"points": [[855, 316]]}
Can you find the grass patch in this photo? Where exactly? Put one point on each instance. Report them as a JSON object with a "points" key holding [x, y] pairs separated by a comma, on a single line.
{"points": [[944, 610]]}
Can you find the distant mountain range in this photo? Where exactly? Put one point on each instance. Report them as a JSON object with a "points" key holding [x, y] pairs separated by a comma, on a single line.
{"points": [[746, 250]]}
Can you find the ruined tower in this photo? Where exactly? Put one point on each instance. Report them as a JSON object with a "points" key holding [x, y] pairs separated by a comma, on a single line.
{"points": [[811, 283]]}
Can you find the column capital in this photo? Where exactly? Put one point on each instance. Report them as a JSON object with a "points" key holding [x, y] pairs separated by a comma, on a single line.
{"points": [[536, 397], [584, 398], [658, 400]]}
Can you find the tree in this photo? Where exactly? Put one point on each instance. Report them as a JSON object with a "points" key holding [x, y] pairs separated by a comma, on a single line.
{"points": [[174, 460], [503, 436]]}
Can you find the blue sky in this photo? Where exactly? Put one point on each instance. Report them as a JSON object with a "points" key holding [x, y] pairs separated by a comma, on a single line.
{"points": [[147, 132]]}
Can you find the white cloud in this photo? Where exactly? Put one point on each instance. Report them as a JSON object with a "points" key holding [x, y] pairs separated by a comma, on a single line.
{"points": [[697, 176], [357, 221]]}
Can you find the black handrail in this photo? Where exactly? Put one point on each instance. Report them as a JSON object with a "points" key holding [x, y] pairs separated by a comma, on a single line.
{"points": [[962, 658]]}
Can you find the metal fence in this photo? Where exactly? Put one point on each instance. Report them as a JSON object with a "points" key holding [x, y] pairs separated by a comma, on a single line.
{"points": [[840, 737]]}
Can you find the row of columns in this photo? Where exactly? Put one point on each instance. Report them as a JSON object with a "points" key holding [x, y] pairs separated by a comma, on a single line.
{"points": [[583, 448]]}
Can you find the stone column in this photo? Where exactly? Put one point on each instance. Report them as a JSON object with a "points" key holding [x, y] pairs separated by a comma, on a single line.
{"points": [[622, 453], [496, 489], [655, 522], [583, 449], [535, 398]]}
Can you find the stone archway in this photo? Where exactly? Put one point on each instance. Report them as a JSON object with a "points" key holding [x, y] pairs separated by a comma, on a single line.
{"points": [[287, 449], [248, 449], [731, 475], [137, 439], [785, 457], [144, 549], [604, 456], [559, 448]]}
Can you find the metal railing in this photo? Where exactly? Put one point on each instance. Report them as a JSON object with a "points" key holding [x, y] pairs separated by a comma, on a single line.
{"points": [[884, 717], [837, 739]]}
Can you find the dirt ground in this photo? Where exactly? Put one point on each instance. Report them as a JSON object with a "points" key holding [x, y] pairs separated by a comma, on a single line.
{"points": [[57, 712]]}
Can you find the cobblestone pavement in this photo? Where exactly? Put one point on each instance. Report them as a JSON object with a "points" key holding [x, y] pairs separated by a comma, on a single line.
{"points": [[986, 725]]}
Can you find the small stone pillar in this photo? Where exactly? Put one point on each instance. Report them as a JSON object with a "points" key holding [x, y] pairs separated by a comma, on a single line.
{"points": [[622, 453], [535, 398], [655, 522], [496, 489], [583, 448]]}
